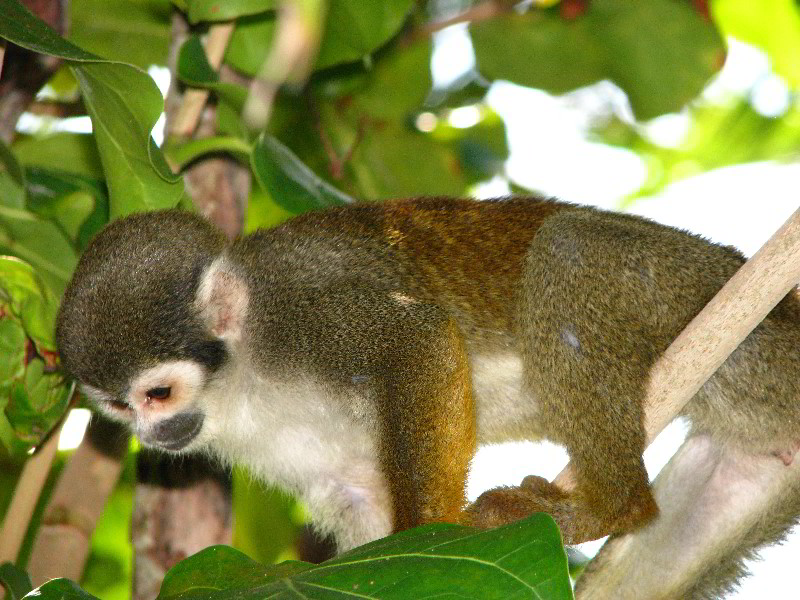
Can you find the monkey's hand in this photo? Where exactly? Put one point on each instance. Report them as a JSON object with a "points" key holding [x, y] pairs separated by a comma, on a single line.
{"points": [[504, 505]]}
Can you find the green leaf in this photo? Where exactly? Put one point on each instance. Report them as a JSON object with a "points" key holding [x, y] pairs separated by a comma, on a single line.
{"points": [[10, 165], [37, 401], [250, 43], [24, 297], [187, 152], [78, 205], [18, 25], [49, 152], [124, 104], [32, 393], [12, 343], [132, 31], [60, 589], [225, 10], [194, 70], [398, 83], [39, 242], [661, 52], [15, 581], [522, 560], [370, 129], [221, 568], [293, 185], [354, 29], [772, 25], [138, 177], [12, 179]]}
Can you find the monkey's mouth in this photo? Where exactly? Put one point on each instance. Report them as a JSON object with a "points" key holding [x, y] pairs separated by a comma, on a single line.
{"points": [[176, 432]]}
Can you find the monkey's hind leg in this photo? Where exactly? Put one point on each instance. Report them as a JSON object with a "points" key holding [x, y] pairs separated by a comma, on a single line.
{"points": [[586, 314]]}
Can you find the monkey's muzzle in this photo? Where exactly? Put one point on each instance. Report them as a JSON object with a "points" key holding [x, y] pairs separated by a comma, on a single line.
{"points": [[176, 432]]}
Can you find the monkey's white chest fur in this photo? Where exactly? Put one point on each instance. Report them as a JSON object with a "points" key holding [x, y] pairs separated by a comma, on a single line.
{"points": [[299, 437]]}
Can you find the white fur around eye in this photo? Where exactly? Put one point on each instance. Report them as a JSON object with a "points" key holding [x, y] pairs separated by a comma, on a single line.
{"points": [[185, 379]]}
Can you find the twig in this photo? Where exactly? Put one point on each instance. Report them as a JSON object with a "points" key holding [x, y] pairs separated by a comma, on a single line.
{"points": [[290, 60], [194, 100], [336, 163], [720, 327], [29, 488], [480, 12]]}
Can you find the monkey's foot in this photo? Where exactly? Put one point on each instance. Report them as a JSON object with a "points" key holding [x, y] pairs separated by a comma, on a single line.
{"points": [[504, 505]]}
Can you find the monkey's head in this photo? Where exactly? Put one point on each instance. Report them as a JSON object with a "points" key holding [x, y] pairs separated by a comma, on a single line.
{"points": [[139, 324]]}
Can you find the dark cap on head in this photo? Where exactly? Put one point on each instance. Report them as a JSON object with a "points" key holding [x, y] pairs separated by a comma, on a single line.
{"points": [[130, 304]]}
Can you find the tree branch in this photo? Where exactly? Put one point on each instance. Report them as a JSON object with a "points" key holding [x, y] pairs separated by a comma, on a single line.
{"points": [[62, 543], [29, 488]]}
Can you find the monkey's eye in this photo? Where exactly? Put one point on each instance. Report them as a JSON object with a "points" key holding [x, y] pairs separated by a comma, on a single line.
{"points": [[159, 393]]}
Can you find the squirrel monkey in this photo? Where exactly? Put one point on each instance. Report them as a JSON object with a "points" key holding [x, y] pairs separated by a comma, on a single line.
{"points": [[356, 356]]}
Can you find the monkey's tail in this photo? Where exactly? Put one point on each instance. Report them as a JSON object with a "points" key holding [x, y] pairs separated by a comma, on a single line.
{"points": [[718, 506]]}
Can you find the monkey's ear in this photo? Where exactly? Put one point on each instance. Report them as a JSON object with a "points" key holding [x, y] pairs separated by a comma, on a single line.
{"points": [[222, 299]]}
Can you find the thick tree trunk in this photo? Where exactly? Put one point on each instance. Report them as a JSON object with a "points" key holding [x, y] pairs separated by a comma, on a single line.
{"points": [[180, 507]]}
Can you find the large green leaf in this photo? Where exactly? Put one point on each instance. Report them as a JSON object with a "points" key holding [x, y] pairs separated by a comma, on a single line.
{"points": [[124, 104], [60, 589], [369, 127], [661, 52], [132, 31], [33, 305], [292, 184], [26, 235], [522, 560], [77, 204], [251, 42]]}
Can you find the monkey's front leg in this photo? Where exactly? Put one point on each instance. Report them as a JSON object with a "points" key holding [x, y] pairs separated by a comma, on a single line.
{"points": [[418, 384]]}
